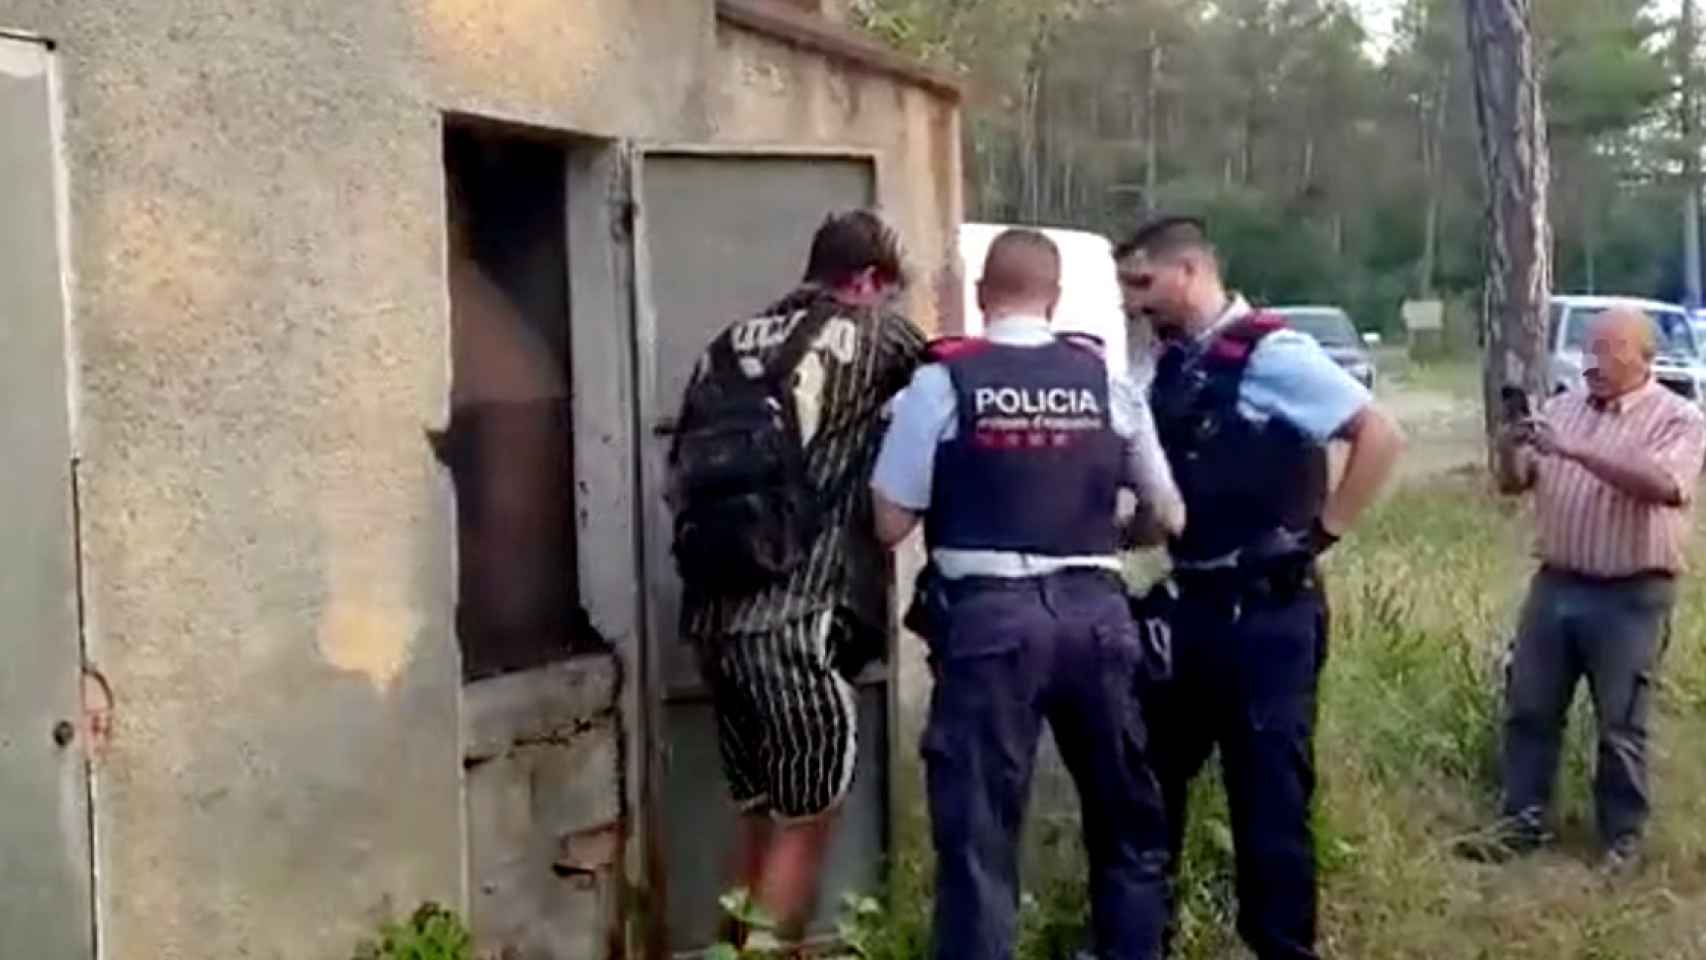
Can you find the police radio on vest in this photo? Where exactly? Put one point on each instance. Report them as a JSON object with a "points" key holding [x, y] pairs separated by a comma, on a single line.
{"points": [[1013, 401]]}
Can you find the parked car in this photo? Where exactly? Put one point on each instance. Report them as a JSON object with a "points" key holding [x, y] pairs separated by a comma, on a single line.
{"points": [[1332, 328], [1089, 292], [1678, 364]]}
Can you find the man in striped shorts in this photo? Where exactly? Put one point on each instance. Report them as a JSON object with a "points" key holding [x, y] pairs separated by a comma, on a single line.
{"points": [[1613, 474], [779, 660]]}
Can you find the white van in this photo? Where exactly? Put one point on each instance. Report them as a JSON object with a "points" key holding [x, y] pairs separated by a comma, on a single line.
{"points": [[1089, 292]]}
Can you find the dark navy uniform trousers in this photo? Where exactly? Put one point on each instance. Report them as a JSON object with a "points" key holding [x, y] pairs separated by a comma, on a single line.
{"points": [[1246, 661], [1014, 653]]}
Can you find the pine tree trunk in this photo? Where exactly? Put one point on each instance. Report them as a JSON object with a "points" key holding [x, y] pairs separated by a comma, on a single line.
{"points": [[1590, 227], [1432, 117], [1247, 142], [1030, 144], [1152, 131], [1686, 40], [1516, 169]]}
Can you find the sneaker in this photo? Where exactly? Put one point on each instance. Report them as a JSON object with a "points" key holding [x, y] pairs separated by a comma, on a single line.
{"points": [[1622, 858], [1506, 840]]}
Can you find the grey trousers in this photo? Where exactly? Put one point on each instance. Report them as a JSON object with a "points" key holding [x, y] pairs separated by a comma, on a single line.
{"points": [[1613, 632]]}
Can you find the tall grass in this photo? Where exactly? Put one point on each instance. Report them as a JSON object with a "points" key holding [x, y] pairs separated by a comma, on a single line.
{"points": [[1424, 602]]}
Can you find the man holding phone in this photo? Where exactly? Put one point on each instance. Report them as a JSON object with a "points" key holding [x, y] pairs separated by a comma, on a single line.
{"points": [[1613, 473], [1515, 403]]}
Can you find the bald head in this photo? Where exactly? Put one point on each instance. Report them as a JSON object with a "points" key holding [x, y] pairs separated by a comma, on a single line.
{"points": [[1622, 342], [1021, 274], [1629, 326]]}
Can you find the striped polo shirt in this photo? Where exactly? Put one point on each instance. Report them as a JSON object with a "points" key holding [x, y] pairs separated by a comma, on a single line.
{"points": [[1583, 524]]}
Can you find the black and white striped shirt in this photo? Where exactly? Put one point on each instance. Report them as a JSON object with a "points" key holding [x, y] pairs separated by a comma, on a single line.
{"points": [[841, 389]]}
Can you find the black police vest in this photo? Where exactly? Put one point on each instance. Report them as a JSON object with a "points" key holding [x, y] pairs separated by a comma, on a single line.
{"points": [[1035, 464], [1245, 484]]}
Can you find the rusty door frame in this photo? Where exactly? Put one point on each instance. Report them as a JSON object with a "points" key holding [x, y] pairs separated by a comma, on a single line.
{"points": [[645, 764]]}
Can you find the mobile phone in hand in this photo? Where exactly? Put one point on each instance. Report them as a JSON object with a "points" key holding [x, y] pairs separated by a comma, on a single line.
{"points": [[1514, 403]]}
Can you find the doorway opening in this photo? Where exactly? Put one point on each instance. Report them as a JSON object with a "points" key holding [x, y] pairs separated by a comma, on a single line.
{"points": [[510, 442]]}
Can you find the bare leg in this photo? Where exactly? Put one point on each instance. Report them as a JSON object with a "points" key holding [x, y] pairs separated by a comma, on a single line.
{"points": [[788, 877], [752, 838]]}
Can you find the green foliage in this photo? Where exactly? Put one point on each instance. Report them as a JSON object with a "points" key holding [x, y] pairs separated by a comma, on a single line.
{"points": [[1604, 73], [432, 933], [1315, 153], [756, 930]]}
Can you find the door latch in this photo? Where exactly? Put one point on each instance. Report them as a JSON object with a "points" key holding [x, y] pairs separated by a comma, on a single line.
{"points": [[64, 732]]}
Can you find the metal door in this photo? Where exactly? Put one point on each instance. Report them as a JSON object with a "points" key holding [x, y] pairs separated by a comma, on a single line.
{"points": [[719, 236], [45, 872]]}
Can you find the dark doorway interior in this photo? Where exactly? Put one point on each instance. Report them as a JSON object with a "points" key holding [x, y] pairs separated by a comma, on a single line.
{"points": [[510, 443]]}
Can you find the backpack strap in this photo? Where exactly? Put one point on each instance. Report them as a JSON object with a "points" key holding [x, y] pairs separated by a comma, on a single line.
{"points": [[1232, 346]]}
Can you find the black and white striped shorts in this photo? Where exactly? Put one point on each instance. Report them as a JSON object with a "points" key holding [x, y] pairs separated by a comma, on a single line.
{"points": [[787, 726]]}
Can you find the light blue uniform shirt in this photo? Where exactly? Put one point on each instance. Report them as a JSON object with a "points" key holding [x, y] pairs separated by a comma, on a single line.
{"points": [[926, 414], [1289, 376]]}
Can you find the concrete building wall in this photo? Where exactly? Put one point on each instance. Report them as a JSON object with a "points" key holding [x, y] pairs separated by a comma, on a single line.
{"points": [[768, 91], [260, 329]]}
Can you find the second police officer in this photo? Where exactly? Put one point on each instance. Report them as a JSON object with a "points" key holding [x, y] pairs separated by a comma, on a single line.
{"points": [[1245, 409], [1012, 448]]}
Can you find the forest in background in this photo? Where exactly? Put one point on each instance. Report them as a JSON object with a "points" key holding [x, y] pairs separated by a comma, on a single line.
{"points": [[1332, 168]]}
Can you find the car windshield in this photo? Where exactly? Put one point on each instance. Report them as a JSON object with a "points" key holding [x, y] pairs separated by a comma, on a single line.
{"points": [[1676, 333], [1330, 328]]}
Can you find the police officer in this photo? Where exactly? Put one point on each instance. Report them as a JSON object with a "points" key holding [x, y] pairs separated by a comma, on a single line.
{"points": [[1245, 409], [1012, 448]]}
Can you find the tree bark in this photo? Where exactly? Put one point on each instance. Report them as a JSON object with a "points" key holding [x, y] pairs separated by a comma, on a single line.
{"points": [[1516, 169]]}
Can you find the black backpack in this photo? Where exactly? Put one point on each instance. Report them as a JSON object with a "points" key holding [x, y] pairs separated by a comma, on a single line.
{"points": [[746, 512]]}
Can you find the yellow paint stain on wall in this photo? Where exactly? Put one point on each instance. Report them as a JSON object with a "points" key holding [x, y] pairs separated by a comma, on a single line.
{"points": [[370, 548], [365, 633], [369, 620]]}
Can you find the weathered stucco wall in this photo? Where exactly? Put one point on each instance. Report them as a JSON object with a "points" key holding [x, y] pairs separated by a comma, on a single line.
{"points": [[768, 91], [259, 311], [260, 325]]}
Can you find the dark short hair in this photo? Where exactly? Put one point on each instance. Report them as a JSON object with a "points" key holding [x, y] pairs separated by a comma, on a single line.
{"points": [[1165, 236], [852, 241]]}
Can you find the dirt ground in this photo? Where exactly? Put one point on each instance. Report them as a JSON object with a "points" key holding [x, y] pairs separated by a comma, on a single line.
{"points": [[1439, 407]]}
